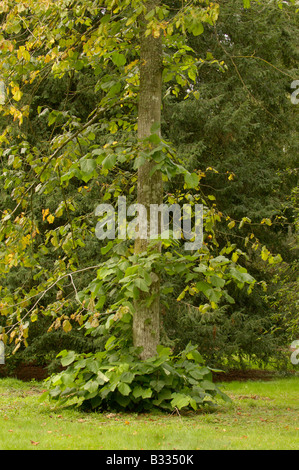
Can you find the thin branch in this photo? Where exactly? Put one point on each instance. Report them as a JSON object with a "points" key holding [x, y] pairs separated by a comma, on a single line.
{"points": [[54, 155], [75, 289], [266, 62], [47, 290], [241, 78]]}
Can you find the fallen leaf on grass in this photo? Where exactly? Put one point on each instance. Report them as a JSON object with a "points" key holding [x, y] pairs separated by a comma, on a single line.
{"points": [[34, 443]]}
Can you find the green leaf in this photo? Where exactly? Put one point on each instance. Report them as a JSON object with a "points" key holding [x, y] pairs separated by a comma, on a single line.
{"points": [[142, 392], [118, 59], [208, 385], [141, 284], [52, 118], [154, 139], [139, 161], [68, 358], [193, 404], [137, 392], [165, 394], [114, 90], [191, 180], [162, 351], [106, 248], [196, 374], [127, 377], [197, 28], [179, 400], [92, 365], [91, 136], [192, 75], [214, 295], [88, 166], [109, 161], [203, 286], [124, 389], [110, 343], [91, 386], [217, 281], [157, 385], [219, 260], [102, 377], [241, 276], [123, 401], [197, 357]]}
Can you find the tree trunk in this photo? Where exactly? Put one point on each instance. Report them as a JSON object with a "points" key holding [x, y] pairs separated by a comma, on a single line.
{"points": [[146, 320]]}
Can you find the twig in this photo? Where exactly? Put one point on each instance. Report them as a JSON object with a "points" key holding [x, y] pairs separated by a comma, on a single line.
{"points": [[49, 288]]}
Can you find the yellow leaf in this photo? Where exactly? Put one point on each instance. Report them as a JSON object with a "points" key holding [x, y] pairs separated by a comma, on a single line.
{"points": [[25, 333], [50, 219], [16, 114], [33, 316], [66, 326], [16, 93], [33, 75], [23, 53], [45, 212], [265, 253], [4, 337], [266, 221]]}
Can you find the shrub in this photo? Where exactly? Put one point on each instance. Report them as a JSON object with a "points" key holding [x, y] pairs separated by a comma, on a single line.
{"points": [[116, 379]]}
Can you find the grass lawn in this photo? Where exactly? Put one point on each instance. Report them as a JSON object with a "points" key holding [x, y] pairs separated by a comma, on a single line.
{"points": [[263, 415]]}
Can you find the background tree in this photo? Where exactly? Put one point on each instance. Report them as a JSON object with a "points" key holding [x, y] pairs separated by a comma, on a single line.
{"points": [[241, 133]]}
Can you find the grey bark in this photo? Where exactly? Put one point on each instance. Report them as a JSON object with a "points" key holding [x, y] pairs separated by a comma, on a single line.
{"points": [[146, 320]]}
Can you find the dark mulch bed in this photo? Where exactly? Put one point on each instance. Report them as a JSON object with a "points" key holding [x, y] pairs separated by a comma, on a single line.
{"points": [[242, 375], [27, 372]]}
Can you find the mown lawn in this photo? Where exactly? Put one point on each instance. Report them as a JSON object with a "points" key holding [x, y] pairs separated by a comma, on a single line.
{"points": [[263, 415]]}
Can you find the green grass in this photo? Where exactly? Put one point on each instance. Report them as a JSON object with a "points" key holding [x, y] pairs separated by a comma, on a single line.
{"points": [[263, 415]]}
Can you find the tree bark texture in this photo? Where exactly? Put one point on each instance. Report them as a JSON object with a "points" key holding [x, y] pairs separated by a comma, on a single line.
{"points": [[146, 320]]}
